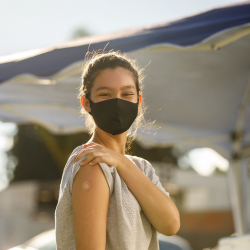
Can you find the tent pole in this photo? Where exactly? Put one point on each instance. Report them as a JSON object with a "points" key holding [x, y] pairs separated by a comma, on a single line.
{"points": [[235, 171], [235, 196], [245, 177]]}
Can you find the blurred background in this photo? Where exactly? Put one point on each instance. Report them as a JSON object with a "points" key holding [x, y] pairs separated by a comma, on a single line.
{"points": [[197, 91]]}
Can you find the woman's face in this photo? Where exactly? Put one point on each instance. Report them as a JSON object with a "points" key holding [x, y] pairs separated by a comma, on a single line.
{"points": [[114, 83]]}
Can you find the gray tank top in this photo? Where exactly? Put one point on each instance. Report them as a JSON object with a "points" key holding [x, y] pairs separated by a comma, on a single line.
{"points": [[127, 226]]}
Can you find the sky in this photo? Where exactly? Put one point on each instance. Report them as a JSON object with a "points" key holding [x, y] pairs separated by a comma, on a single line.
{"points": [[32, 24]]}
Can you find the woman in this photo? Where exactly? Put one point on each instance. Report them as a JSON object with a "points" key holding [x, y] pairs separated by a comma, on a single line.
{"points": [[110, 200]]}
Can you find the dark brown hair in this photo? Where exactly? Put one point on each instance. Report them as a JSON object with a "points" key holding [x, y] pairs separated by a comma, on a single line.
{"points": [[105, 60]]}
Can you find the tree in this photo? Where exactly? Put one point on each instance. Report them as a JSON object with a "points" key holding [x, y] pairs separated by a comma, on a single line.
{"points": [[80, 32]]}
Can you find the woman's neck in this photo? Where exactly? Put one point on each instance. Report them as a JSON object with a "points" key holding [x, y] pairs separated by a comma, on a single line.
{"points": [[114, 142]]}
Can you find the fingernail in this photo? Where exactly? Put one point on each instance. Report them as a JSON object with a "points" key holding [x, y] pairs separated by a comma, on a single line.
{"points": [[91, 163]]}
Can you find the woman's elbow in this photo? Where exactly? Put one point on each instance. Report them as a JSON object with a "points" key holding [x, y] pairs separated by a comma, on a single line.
{"points": [[172, 228]]}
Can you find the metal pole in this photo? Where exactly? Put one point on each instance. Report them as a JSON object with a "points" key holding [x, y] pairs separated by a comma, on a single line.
{"points": [[245, 177], [234, 197]]}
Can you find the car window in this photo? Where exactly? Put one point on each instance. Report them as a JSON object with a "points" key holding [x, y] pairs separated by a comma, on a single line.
{"points": [[168, 246]]}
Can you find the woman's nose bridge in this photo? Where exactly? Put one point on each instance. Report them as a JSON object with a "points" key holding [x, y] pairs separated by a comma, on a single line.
{"points": [[117, 94]]}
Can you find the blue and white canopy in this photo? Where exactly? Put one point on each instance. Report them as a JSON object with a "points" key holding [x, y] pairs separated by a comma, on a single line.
{"points": [[197, 84], [185, 33]]}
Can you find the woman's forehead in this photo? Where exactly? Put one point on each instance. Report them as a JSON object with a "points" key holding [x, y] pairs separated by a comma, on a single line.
{"points": [[114, 78]]}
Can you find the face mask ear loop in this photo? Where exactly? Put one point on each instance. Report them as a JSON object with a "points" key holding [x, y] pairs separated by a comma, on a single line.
{"points": [[81, 101], [138, 100], [90, 105]]}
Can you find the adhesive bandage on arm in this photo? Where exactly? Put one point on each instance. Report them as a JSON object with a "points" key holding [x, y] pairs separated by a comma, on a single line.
{"points": [[85, 185]]}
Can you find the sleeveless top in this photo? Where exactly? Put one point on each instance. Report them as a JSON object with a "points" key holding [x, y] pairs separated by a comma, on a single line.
{"points": [[127, 226]]}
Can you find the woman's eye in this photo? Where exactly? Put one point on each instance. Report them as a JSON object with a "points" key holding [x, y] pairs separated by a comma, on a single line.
{"points": [[107, 94]]}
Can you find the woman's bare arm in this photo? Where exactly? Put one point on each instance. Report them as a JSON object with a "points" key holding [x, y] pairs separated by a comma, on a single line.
{"points": [[157, 206], [90, 200]]}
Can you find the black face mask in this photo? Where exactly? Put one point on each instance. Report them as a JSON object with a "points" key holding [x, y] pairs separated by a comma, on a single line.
{"points": [[114, 116]]}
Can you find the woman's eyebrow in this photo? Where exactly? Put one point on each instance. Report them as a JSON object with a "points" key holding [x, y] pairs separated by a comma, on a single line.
{"points": [[128, 87], [125, 87], [102, 88]]}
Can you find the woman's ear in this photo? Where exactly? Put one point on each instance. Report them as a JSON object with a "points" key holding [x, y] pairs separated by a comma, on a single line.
{"points": [[85, 103], [140, 99], [81, 101]]}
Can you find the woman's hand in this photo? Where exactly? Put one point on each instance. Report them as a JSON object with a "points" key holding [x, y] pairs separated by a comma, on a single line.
{"points": [[97, 153]]}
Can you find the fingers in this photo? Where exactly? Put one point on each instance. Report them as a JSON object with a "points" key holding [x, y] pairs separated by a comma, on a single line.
{"points": [[84, 147], [97, 160], [93, 151], [76, 157], [89, 144], [91, 156], [83, 153]]}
